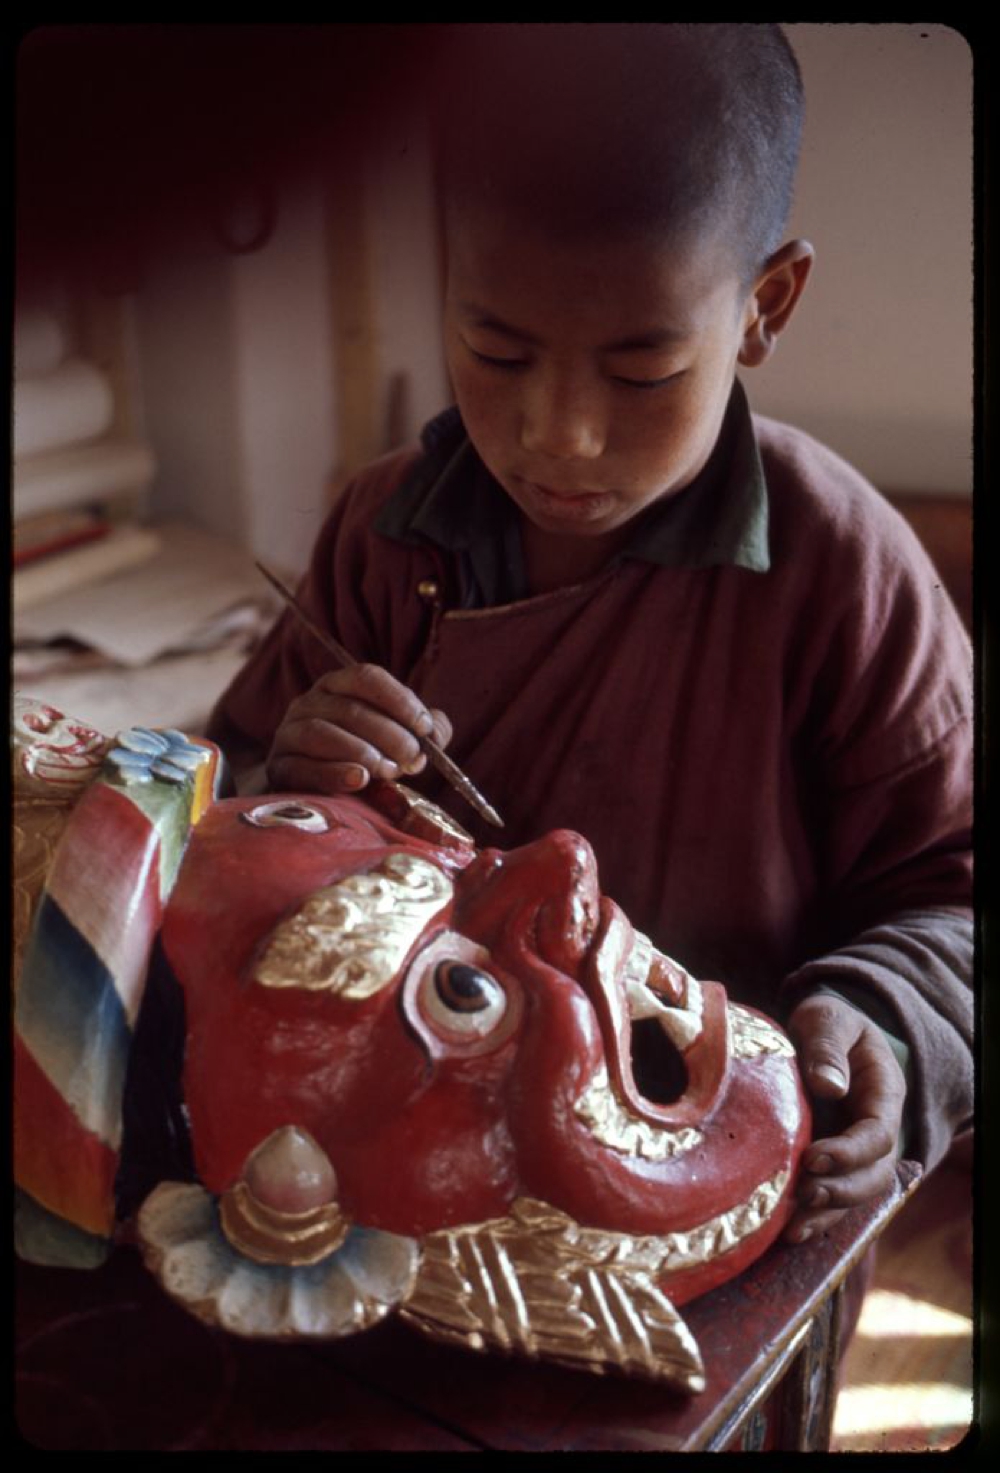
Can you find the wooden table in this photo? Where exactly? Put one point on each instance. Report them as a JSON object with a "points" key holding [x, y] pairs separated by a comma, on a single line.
{"points": [[107, 1362]]}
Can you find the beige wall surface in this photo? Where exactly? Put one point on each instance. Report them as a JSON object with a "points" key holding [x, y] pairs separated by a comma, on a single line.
{"points": [[878, 361]]}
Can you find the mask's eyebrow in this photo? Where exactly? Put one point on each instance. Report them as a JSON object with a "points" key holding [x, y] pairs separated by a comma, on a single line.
{"points": [[652, 340]]}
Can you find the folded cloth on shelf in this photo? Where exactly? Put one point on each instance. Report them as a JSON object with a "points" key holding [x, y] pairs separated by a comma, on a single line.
{"points": [[81, 475], [78, 567], [69, 406]]}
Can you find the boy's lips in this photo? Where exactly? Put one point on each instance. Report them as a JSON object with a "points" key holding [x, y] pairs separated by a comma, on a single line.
{"points": [[572, 505]]}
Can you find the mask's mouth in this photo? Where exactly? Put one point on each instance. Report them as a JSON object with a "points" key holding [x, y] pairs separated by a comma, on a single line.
{"points": [[665, 1035]]}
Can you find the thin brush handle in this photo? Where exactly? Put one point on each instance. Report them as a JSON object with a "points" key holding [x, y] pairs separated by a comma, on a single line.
{"points": [[447, 768]]}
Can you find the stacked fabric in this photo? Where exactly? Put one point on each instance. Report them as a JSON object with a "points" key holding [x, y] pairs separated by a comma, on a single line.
{"points": [[78, 485]]}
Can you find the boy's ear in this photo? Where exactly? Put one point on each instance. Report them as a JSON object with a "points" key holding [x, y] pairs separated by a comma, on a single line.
{"points": [[773, 300]]}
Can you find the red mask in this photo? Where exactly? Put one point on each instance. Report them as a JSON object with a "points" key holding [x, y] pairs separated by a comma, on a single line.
{"points": [[399, 1046]]}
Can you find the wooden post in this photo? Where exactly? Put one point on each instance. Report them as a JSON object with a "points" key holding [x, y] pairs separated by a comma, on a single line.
{"points": [[355, 351]]}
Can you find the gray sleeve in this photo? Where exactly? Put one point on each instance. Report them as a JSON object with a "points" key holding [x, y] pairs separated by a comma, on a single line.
{"points": [[912, 975]]}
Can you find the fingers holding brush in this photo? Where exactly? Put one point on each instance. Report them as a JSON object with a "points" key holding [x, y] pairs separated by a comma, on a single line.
{"points": [[353, 725], [332, 747]]}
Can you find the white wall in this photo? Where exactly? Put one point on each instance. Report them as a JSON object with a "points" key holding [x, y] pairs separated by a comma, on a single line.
{"points": [[878, 362], [405, 269], [184, 330], [283, 361], [237, 358], [237, 384]]}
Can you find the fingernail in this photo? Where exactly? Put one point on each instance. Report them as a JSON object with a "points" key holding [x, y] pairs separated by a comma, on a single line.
{"points": [[820, 1165], [818, 1197], [801, 1234], [424, 724], [355, 777], [831, 1074]]}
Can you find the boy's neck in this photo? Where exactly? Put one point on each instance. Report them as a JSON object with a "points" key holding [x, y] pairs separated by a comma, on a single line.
{"points": [[553, 560]]}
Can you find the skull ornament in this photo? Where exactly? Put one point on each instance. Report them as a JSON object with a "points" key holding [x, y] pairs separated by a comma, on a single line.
{"points": [[417, 1077]]}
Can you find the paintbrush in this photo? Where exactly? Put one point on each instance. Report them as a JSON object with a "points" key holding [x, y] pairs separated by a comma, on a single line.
{"points": [[448, 769]]}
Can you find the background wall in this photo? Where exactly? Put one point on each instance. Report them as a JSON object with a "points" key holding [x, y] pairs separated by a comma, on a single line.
{"points": [[134, 141], [878, 362]]}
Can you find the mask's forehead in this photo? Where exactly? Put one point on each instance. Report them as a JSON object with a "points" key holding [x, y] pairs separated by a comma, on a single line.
{"points": [[253, 865]]}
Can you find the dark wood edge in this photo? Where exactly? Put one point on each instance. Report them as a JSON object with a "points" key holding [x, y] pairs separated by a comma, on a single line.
{"points": [[742, 1396], [768, 1383]]}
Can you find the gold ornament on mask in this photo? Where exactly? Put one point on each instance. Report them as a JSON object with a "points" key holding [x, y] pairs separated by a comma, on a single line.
{"points": [[610, 1123], [539, 1283], [750, 1035], [352, 937], [269, 1236], [284, 1209]]}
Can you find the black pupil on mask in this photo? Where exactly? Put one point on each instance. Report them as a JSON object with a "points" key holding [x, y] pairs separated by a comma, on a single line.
{"points": [[293, 811], [463, 988]]}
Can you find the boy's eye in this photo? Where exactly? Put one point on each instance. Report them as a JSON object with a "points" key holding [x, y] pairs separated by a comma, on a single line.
{"points": [[646, 383], [493, 362]]}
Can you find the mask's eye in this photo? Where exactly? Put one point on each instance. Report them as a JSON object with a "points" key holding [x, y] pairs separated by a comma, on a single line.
{"points": [[455, 1000], [465, 997], [287, 815]]}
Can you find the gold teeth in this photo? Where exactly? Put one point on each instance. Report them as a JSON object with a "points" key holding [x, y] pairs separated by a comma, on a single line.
{"points": [[610, 1123], [294, 1239], [639, 961], [720, 1234], [750, 1035]]}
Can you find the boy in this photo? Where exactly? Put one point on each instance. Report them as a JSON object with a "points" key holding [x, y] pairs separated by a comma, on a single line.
{"points": [[699, 639]]}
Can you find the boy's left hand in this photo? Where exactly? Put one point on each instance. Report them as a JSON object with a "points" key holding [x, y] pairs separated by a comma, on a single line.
{"points": [[846, 1062]]}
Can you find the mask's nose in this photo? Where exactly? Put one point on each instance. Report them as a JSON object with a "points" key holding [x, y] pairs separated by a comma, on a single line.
{"points": [[549, 886]]}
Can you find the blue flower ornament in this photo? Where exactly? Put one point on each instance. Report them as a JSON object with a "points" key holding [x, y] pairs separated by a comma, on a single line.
{"points": [[142, 755]]}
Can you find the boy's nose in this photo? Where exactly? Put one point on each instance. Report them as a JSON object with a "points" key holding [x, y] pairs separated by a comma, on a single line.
{"points": [[562, 421]]}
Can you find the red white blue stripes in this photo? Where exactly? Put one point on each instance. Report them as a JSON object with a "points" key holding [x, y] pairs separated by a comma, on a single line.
{"points": [[82, 983]]}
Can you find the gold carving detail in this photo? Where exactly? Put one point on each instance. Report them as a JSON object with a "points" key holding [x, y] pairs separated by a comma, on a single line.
{"points": [[538, 1284], [352, 937], [750, 1035], [269, 1236], [602, 1111], [719, 1234]]}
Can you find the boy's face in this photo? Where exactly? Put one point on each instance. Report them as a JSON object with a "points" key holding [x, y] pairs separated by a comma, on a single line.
{"points": [[592, 378]]}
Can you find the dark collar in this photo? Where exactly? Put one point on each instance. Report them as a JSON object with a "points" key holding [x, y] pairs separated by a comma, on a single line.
{"points": [[452, 501]]}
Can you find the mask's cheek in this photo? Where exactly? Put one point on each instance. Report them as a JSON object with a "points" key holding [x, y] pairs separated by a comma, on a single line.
{"points": [[258, 1059]]}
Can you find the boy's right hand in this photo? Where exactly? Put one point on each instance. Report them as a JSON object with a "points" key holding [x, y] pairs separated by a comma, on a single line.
{"points": [[353, 725]]}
